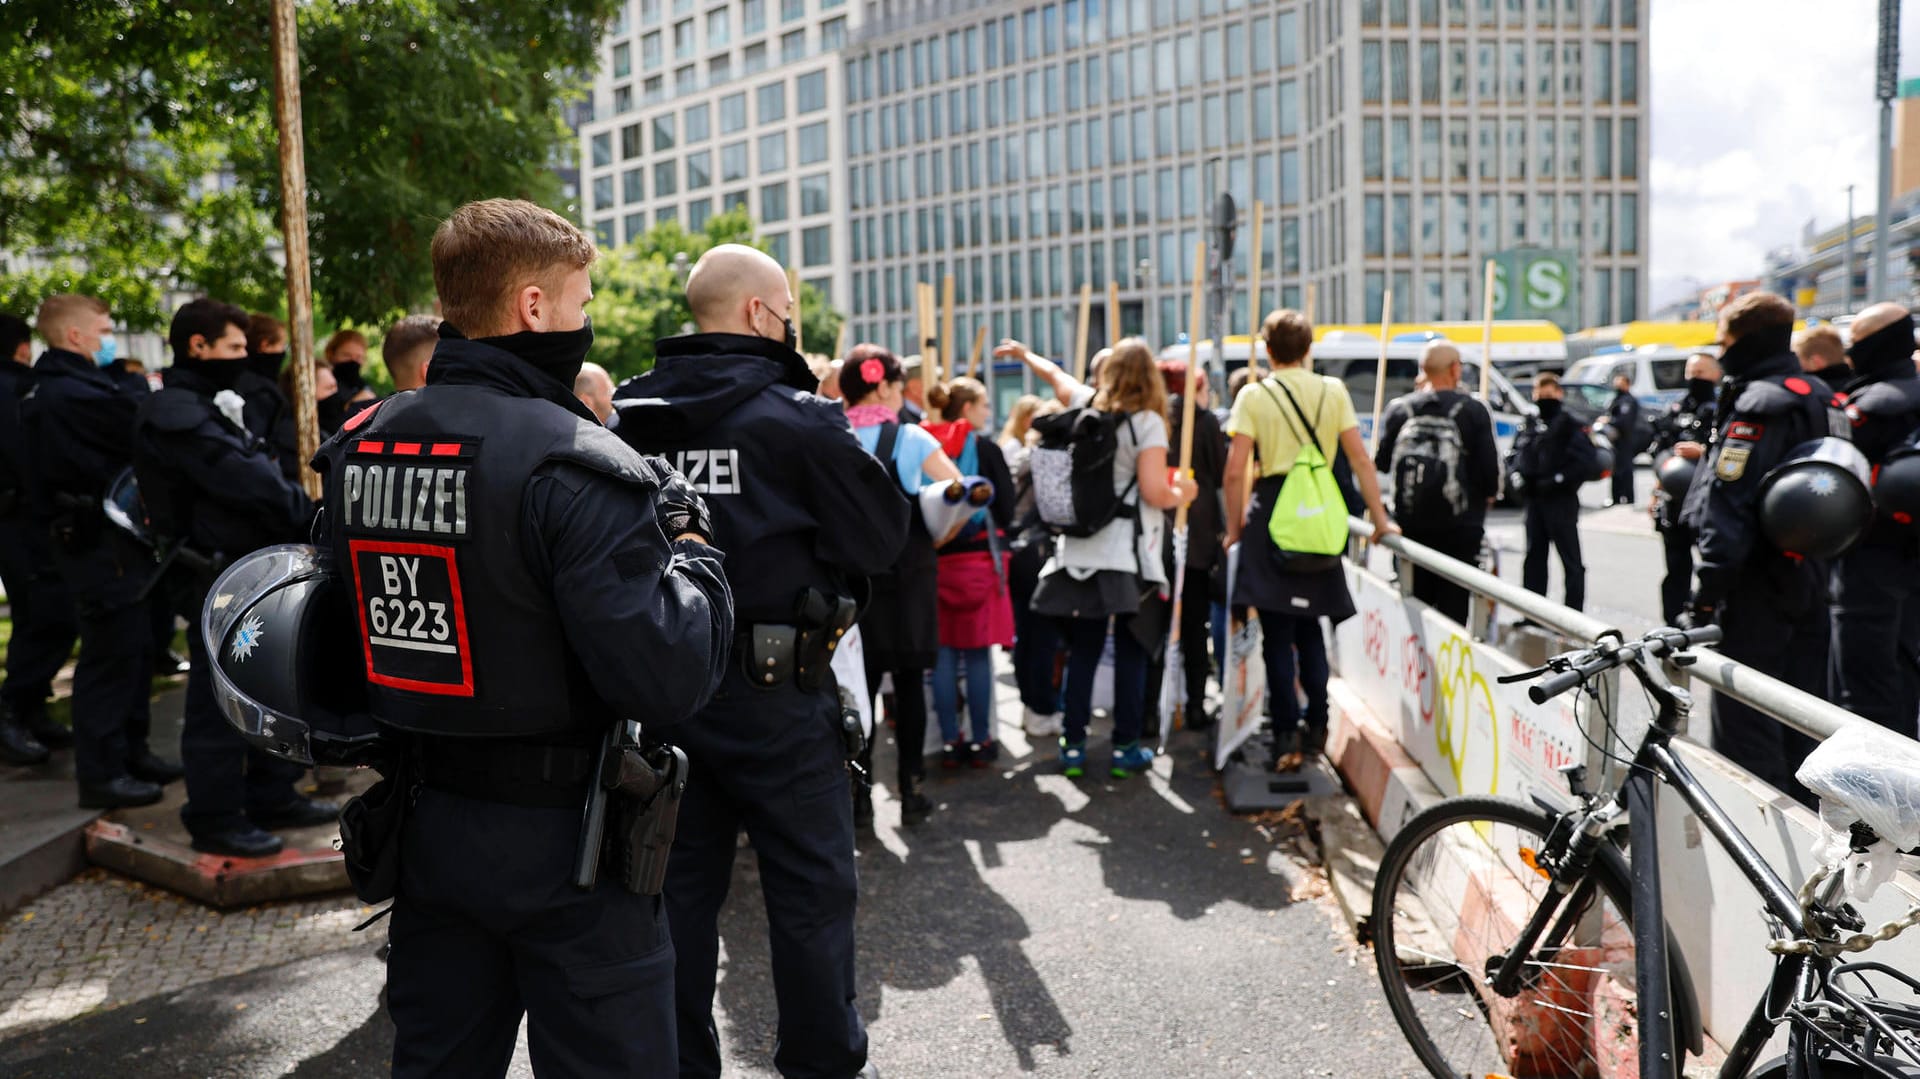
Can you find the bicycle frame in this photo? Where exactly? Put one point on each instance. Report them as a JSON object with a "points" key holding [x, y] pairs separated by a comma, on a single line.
{"points": [[1636, 801]]}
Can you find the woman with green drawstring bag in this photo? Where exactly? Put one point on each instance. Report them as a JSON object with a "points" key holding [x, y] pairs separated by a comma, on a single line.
{"points": [[1293, 530]]}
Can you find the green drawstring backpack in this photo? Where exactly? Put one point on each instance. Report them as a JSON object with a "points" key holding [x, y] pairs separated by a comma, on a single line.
{"points": [[1309, 522]]}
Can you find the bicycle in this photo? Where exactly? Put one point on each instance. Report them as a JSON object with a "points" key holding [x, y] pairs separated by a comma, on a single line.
{"points": [[1561, 993]]}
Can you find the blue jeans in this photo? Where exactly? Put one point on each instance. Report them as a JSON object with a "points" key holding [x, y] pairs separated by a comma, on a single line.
{"points": [[1283, 636], [1086, 639], [979, 672]]}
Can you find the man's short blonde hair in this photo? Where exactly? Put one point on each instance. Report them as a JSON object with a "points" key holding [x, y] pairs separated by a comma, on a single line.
{"points": [[62, 311], [487, 251], [1821, 341]]}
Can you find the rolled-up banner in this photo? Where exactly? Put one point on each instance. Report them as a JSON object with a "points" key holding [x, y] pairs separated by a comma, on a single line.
{"points": [[945, 505]]}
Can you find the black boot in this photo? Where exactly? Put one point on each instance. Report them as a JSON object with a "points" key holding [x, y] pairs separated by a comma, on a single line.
{"points": [[120, 792], [17, 746], [44, 730], [154, 768], [915, 807]]}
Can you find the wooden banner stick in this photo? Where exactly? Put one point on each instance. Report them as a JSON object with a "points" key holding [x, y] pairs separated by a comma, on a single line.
{"points": [[1080, 335]]}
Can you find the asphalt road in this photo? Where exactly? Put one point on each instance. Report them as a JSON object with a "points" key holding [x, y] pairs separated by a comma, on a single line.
{"points": [[1033, 926]]}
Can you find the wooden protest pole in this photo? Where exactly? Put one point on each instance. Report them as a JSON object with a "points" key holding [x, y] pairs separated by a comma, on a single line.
{"points": [[793, 311], [1312, 294], [929, 348], [1080, 335], [1486, 336], [1380, 373], [949, 348], [1253, 284], [840, 343], [1198, 314], [293, 225], [1113, 313], [979, 350]]}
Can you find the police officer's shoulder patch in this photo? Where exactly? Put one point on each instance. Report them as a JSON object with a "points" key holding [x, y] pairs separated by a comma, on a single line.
{"points": [[1745, 431], [1733, 463]]}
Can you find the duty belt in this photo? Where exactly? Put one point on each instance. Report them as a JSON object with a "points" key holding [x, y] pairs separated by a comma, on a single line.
{"points": [[517, 773]]}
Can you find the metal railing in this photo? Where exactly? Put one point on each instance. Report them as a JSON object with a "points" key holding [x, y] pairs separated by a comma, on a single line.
{"points": [[1813, 716]]}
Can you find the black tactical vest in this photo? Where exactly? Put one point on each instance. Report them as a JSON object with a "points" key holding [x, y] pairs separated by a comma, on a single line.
{"points": [[425, 497]]}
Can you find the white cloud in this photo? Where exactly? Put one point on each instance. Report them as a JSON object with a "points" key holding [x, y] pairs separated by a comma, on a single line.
{"points": [[1763, 112]]}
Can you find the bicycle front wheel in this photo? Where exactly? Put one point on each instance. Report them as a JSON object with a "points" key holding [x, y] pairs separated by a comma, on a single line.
{"points": [[1456, 887]]}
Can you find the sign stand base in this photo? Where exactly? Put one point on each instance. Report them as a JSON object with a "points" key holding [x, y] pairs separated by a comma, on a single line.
{"points": [[1250, 786]]}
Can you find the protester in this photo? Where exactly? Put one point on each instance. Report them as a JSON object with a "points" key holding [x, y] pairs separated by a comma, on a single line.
{"points": [[77, 424], [38, 603], [266, 345], [1681, 432], [830, 381], [1623, 430], [345, 354], [1823, 354], [330, 405], [1275, 419], [1876, 590], [1771, 605], [1205, 527], [594, 387], [913, 393], [408, 350], [1013, 436], [900, 629], [975, 611], [1553, 455], [1437, 446], [805, 515], [1112, 577], [1036, 639]]}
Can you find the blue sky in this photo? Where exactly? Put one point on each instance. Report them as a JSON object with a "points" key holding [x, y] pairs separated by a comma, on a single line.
{"points": [[1763, 112]]}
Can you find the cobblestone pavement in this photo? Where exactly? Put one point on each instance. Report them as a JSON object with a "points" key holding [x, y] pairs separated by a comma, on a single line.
{"points": [[101, 941]]}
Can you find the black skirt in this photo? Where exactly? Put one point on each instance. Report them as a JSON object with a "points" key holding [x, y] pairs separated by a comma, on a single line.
{"points": [[900, 629], [1265, 582]]}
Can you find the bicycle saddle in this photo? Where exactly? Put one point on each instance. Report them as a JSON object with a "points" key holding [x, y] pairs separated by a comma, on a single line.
{"points": [[1870, 775]]}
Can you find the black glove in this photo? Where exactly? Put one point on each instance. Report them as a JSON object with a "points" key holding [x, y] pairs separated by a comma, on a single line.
{"points": [[682, 510], [1698, 615]]}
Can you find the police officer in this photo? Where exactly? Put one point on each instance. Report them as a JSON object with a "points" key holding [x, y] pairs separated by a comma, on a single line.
{"points": [[1681, 432], [1623, 428], [526, 583], [37, 600], [1772, 607], [77, 419], [1876, 598], [269, 416], [212, 487], [805, 516], [1823, 354], [1550, 456]]}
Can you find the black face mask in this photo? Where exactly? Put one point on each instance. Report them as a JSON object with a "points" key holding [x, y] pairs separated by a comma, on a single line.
{"points": [[347, 374], [1549, 407], [267, 364], [557, 352], [222, 373], [1888, 348], [1702, 388], [332, 412]]}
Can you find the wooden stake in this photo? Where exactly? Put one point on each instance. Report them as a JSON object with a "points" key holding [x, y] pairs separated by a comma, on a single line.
{"points": [[793, 312], [929, 346], [1080, 335], [840, 345], [1380, 374], [1312, 294], [1253, 283], [1113, 313], [1198, 314], [979, 351], [949, 346], [293, 225], [1486, 335]]}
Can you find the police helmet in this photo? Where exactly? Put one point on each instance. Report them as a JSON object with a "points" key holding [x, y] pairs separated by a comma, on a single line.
{"points": [[286, 671], [1896, 485], [1675, 474], [1603, 450], [125, 510], [1818, 500]]}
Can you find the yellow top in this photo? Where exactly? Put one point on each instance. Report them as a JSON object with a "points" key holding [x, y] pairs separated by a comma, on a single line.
{"points": [[1264, 414]]}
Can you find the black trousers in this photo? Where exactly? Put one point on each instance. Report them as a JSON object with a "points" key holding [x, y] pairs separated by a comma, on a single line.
{"points": [[1553, 521], [44, 627], [111, 714], [1462, 543], [772, 762], [1622, 475], [488, 927], [227, 779], [1790, 646], [1875, 663], [1676, 540], [1196, 633]]}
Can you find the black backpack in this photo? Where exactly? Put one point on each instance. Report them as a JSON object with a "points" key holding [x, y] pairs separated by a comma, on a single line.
{"points": [[1428, 466], [1072, 469]]}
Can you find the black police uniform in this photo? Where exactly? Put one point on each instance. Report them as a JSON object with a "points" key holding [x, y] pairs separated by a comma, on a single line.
{"points": [[1772, 607], [799, 507], [78, 420], [1548, 460], [1690, 419], [211, 485], [38, 603], [159, 614], [1459, 537], [1876, 589], [1623, 428], [518, 597]]}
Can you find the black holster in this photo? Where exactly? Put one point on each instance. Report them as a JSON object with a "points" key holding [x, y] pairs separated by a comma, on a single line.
{"points": [[370, 825], [645, 788]]}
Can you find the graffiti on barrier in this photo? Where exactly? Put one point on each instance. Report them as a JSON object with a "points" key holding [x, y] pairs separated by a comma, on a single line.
{"points": [[1467, 726]]}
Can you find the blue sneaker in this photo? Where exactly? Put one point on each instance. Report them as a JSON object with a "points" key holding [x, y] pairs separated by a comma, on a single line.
{"points": [[1131, 759], [1073, 759]]}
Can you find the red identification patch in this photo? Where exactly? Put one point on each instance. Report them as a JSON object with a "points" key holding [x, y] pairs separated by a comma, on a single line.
{"points": [[1854, 417], [1798, 385], [361, 416], [1746, 432]]}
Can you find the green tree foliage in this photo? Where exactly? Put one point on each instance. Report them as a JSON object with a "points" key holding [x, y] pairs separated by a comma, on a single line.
{"points": [[638, 297], [138, 150]]}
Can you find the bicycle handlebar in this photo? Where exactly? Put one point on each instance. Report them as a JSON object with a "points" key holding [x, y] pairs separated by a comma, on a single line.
{"points": [[1589, 662]]}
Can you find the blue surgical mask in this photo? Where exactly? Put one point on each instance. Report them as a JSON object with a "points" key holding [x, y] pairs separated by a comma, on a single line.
{"points": [[105, 354]]}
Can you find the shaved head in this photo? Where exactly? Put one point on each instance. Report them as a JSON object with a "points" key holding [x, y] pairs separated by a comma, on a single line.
{"points": [[1440, 362], [1703, 365], [1876, 318], [730, 288]]}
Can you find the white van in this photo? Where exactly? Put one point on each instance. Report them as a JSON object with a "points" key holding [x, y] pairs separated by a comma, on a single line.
{"points": [[1657, 375]]}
